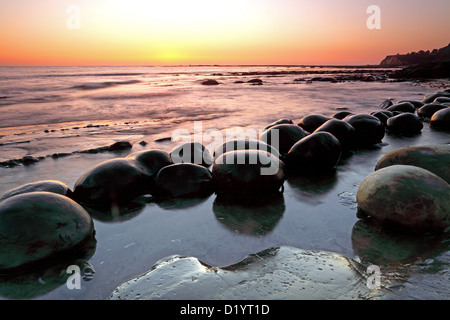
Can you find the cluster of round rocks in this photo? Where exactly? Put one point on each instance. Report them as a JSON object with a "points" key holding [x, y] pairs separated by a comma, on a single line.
{"points": [[57, 216]]}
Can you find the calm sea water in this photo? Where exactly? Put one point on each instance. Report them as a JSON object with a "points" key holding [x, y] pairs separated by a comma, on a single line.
{"points": [[47, 110], [64, 109]]}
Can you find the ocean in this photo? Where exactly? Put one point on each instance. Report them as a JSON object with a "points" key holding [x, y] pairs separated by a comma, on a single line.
{"points": [[62, 116]]}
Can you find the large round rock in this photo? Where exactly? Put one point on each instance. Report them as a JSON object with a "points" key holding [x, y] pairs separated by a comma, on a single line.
{"points": [[406, 196], [406, 124], [280, 121], [112, 182], [441, 120], [312, 122], [342, 130], [183, 180], [36, 226], [192, 152], [244, 144], [151, 161], [283, 136], [53, 186], [429, 109], [369, 130], [248, 174], [320, 151], [434, 158], [402, 107]]}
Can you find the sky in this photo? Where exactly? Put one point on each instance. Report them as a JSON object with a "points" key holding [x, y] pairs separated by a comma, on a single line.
{"points": [[168, 32]]}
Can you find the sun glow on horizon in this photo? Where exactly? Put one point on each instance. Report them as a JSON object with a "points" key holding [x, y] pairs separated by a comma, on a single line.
{"points": [[215, 32]]}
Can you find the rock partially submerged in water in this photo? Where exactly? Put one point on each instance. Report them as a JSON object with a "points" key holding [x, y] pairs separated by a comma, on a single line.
{"points": [[342, 130], [244, 144], [406, 196], [402, 107], [407, 124], [191, 152], [434, 158], [53, 186], [369, 130], [183, 180], [320, 151], [441, 120], [210, 82], [248, 174], [312, 122], [37, 226], [110, 183], [429, 109], [283, 136], [283, 273], [280, 121], [151, 161]]}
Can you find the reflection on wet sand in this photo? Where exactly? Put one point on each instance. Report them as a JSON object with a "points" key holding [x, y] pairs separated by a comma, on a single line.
{"points": [[254, 219]]}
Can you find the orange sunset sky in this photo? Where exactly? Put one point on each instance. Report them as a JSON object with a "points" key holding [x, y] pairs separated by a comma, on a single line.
{"points": [[149, 32]]}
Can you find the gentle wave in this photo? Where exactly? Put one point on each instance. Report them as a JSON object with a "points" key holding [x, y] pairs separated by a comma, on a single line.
{"points": [[101, 85]]}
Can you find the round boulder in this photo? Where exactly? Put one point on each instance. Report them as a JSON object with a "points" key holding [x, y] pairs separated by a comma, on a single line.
{"points": [[429, 109], [151, 161], [280, 121], [402, 107], [112, 182], [192, 152], [282, 136], [183, 180], [320, 151], [37, 226], [44, 185], [312, 122], [248, 174], [405, 124], [369, 130], [441, 120], [342, 130], [434, 158], [244, 144], [406, 196]]}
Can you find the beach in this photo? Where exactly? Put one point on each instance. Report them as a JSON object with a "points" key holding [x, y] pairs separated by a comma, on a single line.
{"points": [[57, 123]]}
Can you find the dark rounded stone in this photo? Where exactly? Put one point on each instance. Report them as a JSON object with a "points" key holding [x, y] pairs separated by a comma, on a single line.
{"points": [[110, 183], [382, 116], [441, 120], [404, 124], [151, 161], [192, 152], [120, 145], [402, 107], [429, 109], [283, 136], [406, 196], [44, 185], [183, 180], [248, 174], [369, 130], [37, 226], [442, 99], [434, 158], [312, 122], [342, 130], [431, 97], [210, 82], [280, 121], [342, 114], [244, 144], [416, 104], [320, 151]]}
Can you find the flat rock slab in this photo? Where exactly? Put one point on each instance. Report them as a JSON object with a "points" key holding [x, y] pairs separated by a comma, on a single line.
{"points": [[282, 273]]}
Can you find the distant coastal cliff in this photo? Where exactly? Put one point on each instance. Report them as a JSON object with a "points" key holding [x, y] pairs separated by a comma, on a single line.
{"points": [[414, 58], [420, 65]]}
